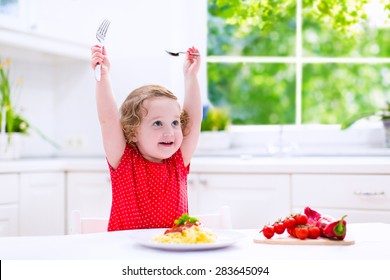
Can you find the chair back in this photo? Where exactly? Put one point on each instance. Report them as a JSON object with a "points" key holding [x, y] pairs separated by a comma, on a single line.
{"points": [[218, 220], [81, 225]]}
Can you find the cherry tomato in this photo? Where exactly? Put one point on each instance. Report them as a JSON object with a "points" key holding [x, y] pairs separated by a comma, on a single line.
{"points": [[291, 232], [301, 232], [289, 223], [268, 231], [301, 219], [314, 232], [279, 227]]}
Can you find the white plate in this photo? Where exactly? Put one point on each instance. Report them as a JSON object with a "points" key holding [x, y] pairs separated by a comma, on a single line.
{"points": [[225, 239]]}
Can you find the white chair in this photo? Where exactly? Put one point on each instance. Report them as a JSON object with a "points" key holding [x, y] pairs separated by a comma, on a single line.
{"points": [[219, 220], [83, 225]]}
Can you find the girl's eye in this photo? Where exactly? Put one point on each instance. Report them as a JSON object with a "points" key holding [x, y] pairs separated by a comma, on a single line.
{"points": [[175, 123], [157, 123]]}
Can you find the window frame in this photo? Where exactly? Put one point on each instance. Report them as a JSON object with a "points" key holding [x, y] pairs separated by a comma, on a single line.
{"points": [[299, 60], [341, 137]]}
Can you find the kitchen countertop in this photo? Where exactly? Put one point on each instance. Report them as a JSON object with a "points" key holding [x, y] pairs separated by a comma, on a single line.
{"points": [[248, 164]]}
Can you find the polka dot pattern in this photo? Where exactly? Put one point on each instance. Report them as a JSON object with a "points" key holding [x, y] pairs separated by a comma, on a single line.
{"points": [[147, 194]]}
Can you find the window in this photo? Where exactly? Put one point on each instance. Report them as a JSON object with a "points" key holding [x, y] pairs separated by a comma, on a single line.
{"points": [[298, 62]]}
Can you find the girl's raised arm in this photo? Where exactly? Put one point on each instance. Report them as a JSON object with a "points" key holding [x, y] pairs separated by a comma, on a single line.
{"points": [[113, 139], [192, 104]]}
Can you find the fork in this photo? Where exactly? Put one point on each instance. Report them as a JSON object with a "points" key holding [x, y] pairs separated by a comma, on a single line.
{"points": [[100, 36], [178, 53]]}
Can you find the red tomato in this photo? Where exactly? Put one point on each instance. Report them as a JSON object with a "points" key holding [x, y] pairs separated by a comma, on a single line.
{"points": [[301, 219], [289, 223], [314, 232], [301, 232], [279, 227], [268, 231], [291, 232]]}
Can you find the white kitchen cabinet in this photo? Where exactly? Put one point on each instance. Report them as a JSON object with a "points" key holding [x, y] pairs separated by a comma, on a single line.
{"points": [[61, 20], [49, 27], [42, 203], [9, 220], [90, 193], [363, 198], [253, 199], [9, 193]]}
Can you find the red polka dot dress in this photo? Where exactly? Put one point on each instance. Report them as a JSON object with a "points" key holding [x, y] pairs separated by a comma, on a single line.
{"points": [[147, 194]]}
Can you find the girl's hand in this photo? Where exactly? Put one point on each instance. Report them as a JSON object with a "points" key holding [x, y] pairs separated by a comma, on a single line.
{"points": [[192, 63], [99, 56]]}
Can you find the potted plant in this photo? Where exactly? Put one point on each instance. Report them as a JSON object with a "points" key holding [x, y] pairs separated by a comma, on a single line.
{"points": [[214, 128], [382, 114], [12, 124]]}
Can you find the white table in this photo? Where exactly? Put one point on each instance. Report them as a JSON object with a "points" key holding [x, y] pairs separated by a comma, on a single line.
{"points": [[372, 242]]}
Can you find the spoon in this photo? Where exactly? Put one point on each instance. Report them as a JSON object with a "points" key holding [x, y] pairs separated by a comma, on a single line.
{"points": [[178, 53]]}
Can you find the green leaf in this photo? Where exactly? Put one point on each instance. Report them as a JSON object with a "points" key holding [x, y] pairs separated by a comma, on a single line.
{"points": [[354, 119], [184, 218]]}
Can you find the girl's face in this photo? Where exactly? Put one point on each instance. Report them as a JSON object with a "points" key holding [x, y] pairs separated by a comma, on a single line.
{"points": [[159, 136]]}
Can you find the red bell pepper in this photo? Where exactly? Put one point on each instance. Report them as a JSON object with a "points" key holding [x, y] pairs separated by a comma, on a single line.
{"points": [[329, 227]]}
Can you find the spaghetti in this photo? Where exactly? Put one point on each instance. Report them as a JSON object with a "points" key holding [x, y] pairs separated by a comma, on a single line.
{"points": [[186, 230]]}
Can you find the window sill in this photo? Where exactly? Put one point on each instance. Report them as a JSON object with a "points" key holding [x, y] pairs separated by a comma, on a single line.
{"points": [[298, 152], [364, 139]]}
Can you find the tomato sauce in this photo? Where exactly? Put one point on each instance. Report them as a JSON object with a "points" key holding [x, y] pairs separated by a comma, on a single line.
{"points": [[180, 228]]}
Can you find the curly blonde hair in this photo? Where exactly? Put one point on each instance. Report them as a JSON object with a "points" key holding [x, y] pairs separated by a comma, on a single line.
{"points": [[132, 109]]}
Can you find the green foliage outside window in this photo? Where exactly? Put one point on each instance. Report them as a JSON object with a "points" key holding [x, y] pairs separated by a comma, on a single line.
{"points": [[254, 91], [264, 93], [332, 93], [251, 29]]}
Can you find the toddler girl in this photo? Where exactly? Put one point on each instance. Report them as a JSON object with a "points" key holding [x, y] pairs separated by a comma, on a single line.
{"points": [[148, 145]]}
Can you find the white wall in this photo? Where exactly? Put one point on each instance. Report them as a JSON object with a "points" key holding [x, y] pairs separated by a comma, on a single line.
{"points": [[58, 93]]}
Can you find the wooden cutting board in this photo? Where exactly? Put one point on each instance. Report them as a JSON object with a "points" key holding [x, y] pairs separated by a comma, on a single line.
{"points": [[288, 240]]}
